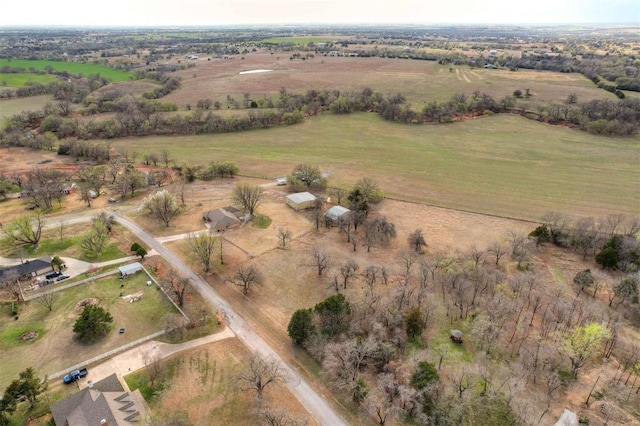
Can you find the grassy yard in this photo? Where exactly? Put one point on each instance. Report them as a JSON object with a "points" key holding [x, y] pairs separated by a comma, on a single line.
{"points": [[56, 347], [504, 164], [75, 68], [118, 246]]}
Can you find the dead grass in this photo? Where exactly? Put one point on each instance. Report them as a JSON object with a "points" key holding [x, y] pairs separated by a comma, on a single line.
{"points": [[420, 81], [204, 389]]}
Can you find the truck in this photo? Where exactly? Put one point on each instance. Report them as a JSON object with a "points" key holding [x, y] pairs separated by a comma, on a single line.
{"points": [[75, 375]]}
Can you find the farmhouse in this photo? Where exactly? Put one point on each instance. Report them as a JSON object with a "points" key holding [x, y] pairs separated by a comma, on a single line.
{"points": [[301, 200], [334, 214], [28, 269], [131, 269], [104, 402], [223, 219]]}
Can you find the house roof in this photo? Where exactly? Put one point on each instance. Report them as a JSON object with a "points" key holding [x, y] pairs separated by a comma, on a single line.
{"points": [[336, 212], [25, 268], [221, 218], [131, 268], [90, 405], [301, 197]]}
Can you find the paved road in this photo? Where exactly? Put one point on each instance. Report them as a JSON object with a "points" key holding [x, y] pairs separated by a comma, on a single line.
{"points": [[313, 402]]}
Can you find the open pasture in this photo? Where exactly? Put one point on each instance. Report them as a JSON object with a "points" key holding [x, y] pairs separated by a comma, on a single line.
{"points": [[9, 107], [20, 80], [420, 82], [75, 68], [56, 347], [504, 164]]}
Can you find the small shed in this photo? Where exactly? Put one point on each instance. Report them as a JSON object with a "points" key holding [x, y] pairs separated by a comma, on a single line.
{"points": [[334, 214], [456, 336], [301, 200], [130, 269]]}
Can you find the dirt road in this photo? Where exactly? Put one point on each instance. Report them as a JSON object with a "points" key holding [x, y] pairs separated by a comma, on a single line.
{"points": [[315, 404]]}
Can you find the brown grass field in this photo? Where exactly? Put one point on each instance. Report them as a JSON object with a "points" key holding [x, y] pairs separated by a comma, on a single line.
{"points": [[203, 388], [420, 81]]}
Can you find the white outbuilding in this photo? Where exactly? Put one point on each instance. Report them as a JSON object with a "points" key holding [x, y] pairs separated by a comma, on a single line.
{"points": [[301, 200]]}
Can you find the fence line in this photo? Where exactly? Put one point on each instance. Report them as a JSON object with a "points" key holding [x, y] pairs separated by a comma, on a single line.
{"points": [[105, 355], [165, 293], [36, 294]]}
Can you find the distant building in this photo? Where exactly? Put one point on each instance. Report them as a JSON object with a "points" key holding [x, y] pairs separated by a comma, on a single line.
{"points": [[301, 200]]}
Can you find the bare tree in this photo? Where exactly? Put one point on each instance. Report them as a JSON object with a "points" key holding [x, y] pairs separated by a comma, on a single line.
{"points": [[248, 196], [162, 205], [348, 270], [259, 373], [25, 230], [61, 230], [284, 237], [154, 366], [176, 285], [202, 246], [273, 417], [339, 193], [47, 297], [165, 157], [320, 259], [497, 251], [246, 277]]}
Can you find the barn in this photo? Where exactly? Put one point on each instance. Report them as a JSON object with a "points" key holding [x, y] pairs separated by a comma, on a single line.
{"points": [[301, 200]]}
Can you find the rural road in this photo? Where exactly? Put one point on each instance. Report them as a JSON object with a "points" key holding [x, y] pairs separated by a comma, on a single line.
{"points": [[313, 402]]}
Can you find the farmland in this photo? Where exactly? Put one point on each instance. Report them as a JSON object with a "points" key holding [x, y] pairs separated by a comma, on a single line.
{"points": [[420, 82], [19, 80], [529, 229], [74, 68], [504, 165]]}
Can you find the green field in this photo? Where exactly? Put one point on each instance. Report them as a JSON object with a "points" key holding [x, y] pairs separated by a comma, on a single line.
{"points": [[503, 164], [298, 40], [9, 107], [20, 80], [74, 68], [56, 339]]}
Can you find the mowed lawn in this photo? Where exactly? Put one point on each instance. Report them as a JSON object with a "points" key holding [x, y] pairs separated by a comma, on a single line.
{"points": [[504, 164], [75, 68], [56, 347]]}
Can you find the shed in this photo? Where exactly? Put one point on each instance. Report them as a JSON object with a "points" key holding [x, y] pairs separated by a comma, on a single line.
{"points": [[130, 269], [301, 200], [335, 213], [456, 336]]}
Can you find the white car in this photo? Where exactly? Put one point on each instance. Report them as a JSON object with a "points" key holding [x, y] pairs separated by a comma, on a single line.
{"points": [[281, 181]]}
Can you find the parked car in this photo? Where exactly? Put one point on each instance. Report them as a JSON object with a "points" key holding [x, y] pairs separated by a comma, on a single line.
{"points": [[52, 275], [281, 181], [47, 282], [75, 375], [62, 277]]}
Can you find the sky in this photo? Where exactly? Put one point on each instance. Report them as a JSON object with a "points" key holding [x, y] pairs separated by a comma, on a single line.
{"points": [[238, 12]]}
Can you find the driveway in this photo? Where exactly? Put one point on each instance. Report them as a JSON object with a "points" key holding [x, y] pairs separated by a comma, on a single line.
{"points": [[134, 359]]}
